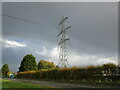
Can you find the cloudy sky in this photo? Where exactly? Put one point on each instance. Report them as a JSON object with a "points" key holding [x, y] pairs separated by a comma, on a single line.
{"points": [[31, 28]]}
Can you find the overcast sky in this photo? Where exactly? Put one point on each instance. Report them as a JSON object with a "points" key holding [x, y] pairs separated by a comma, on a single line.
{"points": [[31, 28]]}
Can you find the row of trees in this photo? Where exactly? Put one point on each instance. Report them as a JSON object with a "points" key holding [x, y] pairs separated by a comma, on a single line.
{"points": [[29, 64]]}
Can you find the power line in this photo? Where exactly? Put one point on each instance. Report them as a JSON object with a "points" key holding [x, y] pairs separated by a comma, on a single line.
{"points": [[22, 7], [25, 20], [32, 10]]}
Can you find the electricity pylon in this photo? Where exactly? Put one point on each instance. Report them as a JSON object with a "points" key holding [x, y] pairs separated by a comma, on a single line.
{"points": [[62, 45]]}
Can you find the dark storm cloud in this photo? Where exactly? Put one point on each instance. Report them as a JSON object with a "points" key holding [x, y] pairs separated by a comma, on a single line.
{"points": [[94, 25]]}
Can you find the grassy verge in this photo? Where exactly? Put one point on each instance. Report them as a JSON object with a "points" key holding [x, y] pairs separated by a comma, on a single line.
{"points": [[15, 84], [82, 82]]}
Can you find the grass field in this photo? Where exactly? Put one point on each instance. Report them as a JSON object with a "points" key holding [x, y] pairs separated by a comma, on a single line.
{"points": [[15, 84]]}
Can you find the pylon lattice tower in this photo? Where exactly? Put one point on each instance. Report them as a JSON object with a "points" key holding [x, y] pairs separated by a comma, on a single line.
{"points": [[62, 45]]}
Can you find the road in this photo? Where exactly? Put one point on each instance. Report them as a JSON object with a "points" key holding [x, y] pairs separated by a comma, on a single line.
{"points": [[59, 84]]}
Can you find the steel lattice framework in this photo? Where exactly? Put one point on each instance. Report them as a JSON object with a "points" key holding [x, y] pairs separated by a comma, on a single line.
{"points": [[62, 45]]}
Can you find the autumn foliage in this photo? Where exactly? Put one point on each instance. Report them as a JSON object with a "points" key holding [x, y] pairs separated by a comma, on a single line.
{"points": [[106, 72], [44, 64]]}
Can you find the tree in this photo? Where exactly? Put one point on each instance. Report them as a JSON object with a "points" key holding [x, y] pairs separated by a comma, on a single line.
{"points": [[5, 69], [109, 66], [45, 65], [28, 63]]}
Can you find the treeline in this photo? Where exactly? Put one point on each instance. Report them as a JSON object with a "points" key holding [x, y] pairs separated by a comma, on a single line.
{"points": [[48, 70], [29, 64], [104, 73]]}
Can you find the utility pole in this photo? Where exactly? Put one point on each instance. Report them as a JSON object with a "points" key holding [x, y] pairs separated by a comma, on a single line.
{"points": [[62, 45]]}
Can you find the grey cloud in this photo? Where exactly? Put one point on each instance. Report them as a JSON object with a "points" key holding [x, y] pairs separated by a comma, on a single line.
{"points": [[94, 26]]}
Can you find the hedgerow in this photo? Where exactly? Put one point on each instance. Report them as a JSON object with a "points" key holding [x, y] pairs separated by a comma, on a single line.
{"points": [[103, 73]]}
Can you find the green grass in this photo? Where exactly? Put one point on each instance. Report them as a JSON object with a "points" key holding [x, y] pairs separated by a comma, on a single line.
{"points": [[15, 84]]}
